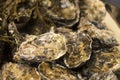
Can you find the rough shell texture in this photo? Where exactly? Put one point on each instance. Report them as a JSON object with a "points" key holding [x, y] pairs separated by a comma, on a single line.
{"points": [[64, 12], [93, 10], [55, 72], [79, 49], [104, 60], [108, 75], [102, 38], [46, 47], [13, 71]]}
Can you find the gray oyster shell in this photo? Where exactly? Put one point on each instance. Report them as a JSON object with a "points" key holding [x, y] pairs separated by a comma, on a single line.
{"points": [[108, 75], [55, 72], [13, 71], [63, 12], [93, 10], [45, 47], [79, 49]]}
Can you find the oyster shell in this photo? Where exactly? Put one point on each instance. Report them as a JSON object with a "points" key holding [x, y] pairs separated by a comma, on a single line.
{"points": [[63, 12], [93, 10], [102, 38], [104, 60], [79, 49], [45, 47], [108, 75], [13, 71], [55, 72], [22, 12]]}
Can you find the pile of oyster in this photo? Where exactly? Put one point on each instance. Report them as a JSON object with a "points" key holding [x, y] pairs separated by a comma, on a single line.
{"points": [[56, 40]]}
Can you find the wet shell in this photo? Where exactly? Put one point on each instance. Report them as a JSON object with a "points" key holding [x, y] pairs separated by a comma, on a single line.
{"points": [[55, 72], [108, 75], [46, 47], [93, 10], [79, 50], [63, 12], [13, 71], [102, 38], [102, 61]]}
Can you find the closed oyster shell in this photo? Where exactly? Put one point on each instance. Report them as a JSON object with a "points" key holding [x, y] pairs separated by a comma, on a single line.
{"points": [[79, 49], [45, 47], [104, 60], [13, 71], [93, 10], [55, 72], [102, 38], [63, 12], [108, 75]]}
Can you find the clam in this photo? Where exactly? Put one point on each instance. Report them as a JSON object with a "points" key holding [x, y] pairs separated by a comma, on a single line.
{"points": [[45, 47], [13, 71], [62, 12], [55, 72]]}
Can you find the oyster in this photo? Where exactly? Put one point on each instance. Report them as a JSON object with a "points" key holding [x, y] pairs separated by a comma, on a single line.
{"points": [[93, 10], [45, 47], [55, 72], [13, 71], [104, 60], [22, 12], [79, 49], [102, 38], [63, 12], [108, 75]]}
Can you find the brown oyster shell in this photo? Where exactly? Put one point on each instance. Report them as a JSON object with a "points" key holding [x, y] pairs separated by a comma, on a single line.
{"points": [[93, 10], [13, 71], [108, 75], [45, 47], [55, 72], [79, 49], [63, 12], [104, 60], [102, 38]]}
